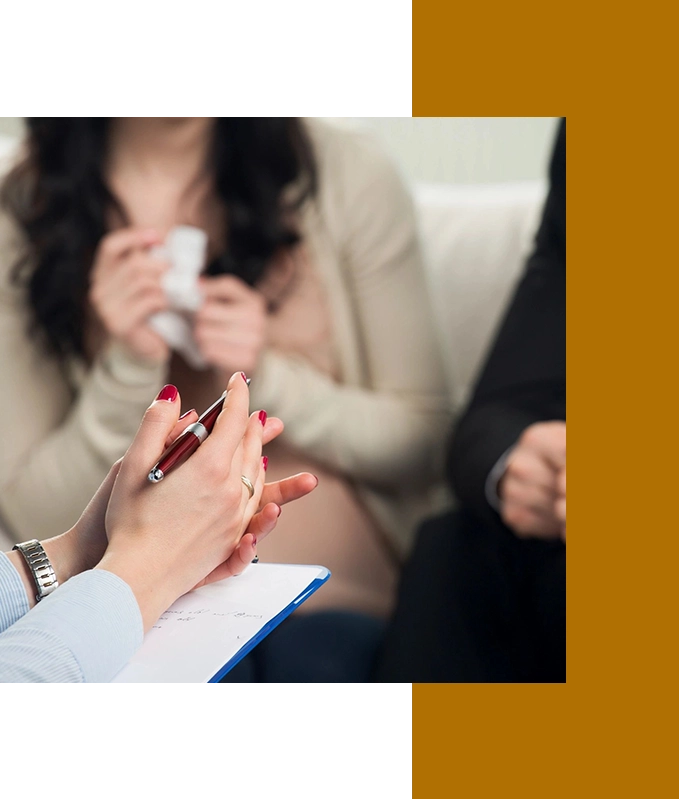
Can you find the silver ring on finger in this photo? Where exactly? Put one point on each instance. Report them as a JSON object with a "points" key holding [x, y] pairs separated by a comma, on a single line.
{"points": [[248, 485]]}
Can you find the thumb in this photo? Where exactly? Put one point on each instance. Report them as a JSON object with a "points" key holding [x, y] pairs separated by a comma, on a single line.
{"points": [[157, 424]]}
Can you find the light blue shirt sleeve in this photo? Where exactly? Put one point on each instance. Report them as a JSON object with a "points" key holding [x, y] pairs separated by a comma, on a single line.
{"points": [[13, 599], [85, 631]]}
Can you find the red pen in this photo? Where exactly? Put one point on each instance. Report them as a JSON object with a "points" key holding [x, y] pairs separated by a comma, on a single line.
{"points": [[188, 442]]}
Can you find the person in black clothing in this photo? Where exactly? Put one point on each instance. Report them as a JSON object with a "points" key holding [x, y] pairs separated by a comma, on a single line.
{"points": [[483, 598]]}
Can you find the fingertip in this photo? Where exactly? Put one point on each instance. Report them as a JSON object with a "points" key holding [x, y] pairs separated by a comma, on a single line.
{"points": [[164, 411], [166, 405], [240, 376], [158, 422], [310, 479], [168, 393]]}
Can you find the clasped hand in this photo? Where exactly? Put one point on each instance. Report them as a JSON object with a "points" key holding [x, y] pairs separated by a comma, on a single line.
{"points": [[196, 526]]}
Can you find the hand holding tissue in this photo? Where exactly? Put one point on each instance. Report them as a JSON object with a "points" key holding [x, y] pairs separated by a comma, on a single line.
{"points": [[185, 248]]}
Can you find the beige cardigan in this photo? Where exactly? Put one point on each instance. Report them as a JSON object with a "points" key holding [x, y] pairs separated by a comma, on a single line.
{"points": [[384, 426]]}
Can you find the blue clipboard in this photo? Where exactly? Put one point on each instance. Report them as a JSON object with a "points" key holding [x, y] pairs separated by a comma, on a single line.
{"points": [[272, 624]]}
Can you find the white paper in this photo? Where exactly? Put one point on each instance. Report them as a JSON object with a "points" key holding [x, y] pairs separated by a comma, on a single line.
{"points": [[205, 628]]}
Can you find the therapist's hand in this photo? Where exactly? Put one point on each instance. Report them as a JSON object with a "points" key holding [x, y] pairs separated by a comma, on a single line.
{"points": [[165, 538], [83, 546], [274, 495]]}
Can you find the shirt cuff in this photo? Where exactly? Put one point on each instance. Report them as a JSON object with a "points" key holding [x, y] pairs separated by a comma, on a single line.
{"points": [[84, 632], [494, 477], [13, 599]]}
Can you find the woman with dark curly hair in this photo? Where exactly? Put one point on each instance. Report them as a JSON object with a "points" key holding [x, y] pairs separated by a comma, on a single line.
{"points": [[313, 287]]}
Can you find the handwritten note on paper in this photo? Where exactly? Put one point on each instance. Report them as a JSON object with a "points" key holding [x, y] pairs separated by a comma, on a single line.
{"points": [[205, 628]]}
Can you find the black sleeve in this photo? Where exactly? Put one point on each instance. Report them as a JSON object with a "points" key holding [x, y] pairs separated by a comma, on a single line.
{"points": [[524, 378]]}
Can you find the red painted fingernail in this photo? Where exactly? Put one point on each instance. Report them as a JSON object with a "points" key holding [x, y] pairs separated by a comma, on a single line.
{"points": [[168, 393], [244, 376], [254, 541], [265, 462], [184, 415], [262, 417]]}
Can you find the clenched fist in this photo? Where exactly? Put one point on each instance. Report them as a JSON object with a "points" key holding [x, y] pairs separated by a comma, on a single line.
{"points": [[533, 488]]}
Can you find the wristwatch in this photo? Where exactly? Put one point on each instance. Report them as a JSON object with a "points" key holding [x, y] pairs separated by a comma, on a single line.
{"points": [[40, 567]]}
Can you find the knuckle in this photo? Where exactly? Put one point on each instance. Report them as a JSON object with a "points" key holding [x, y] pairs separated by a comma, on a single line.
{"points": [[555, 431], [213, 481], [519, 518], [509, 490], [532, 435], [107, 246], [519, 467], [156, 412], [510, 514], [138, 268], [233, 491]]}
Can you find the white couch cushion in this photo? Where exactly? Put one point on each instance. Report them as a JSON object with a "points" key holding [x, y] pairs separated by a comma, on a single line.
{"points": [[476, 240]]}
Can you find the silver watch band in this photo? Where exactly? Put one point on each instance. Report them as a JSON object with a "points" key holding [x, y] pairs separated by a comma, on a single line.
{"points": [[40, 567]]}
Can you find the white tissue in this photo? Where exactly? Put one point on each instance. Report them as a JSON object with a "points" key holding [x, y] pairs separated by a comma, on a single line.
{"points": [[186, 250]]}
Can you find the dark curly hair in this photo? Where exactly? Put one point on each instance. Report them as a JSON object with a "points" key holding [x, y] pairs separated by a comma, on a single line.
{"points": [[58, 196]]}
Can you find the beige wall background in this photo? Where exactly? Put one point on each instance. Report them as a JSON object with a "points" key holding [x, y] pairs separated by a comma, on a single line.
{"points": [[451, 149], [10, 126], [468, 149]]}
